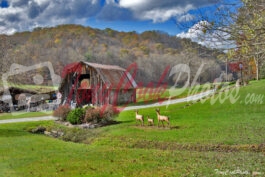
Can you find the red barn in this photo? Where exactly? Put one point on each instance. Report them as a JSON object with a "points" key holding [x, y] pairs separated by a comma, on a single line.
{"points": [[92, 83]]}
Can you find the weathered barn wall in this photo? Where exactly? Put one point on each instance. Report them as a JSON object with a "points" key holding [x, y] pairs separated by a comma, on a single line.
{"points": [[122, 96]]}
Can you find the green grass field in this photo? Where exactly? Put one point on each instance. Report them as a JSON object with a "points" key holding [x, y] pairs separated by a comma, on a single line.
{"points": [[213, 138]]}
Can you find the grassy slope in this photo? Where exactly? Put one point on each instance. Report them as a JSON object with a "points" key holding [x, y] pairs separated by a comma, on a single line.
{"points": [[226, 123], [128, 150]]}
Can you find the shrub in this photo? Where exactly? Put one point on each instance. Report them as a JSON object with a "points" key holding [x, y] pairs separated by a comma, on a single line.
{"points": [[92, 115], [76, 116], [109, 112], [101, 114], [61, 112]]}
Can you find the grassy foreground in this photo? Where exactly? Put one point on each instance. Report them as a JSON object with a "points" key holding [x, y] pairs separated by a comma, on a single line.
{"points": [[213, 138]]}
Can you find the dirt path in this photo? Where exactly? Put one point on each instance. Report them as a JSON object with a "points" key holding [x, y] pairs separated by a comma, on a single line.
{"points": [[28, 119], [174, 101]]}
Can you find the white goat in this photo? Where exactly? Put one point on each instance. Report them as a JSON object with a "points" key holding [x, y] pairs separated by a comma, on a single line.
{"points": [[161, 118], [139, 118], [150, 121]]}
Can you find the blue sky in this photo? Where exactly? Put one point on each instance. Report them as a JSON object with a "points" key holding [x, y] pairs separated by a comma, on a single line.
{"points": [[121, 15], [138, 26]]}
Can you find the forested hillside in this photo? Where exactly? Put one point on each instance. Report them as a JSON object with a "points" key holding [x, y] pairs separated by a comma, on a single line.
{"points": [[153, 51]]}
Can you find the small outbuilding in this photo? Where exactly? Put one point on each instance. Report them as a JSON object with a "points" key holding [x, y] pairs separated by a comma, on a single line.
{"points": [[97, 84], [21, 97]]}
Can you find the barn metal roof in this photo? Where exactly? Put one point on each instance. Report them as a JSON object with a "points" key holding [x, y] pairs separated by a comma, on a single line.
{"points": [[114, 77], [102, 66]]}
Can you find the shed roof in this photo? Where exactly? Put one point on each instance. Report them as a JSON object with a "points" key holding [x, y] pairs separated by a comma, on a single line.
{"points": [[34, 89]]}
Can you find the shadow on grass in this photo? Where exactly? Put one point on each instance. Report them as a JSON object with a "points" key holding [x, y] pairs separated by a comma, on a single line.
{"points": [[126, 121], [111, 122], [156, 127], [12, 133], [175, 127]]}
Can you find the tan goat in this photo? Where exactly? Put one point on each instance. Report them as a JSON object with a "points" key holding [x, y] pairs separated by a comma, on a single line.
{"points": [[161, 118], [150, 121], [139, 118]]}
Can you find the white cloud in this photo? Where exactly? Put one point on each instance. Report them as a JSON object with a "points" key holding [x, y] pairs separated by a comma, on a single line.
{"points": [[161, 15], [214, 39], [10, 10], [4, 30], [160, 11], [195, 30], [40, 2], [24, 15], [157, 11], [185, 18], [133, 4]]}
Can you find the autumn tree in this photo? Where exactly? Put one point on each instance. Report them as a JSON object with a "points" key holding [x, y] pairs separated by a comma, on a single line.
{"points": [[249, 33], [238, 27]]}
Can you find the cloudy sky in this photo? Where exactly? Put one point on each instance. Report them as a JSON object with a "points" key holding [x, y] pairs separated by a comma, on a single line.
{"points": [[121, 15]]}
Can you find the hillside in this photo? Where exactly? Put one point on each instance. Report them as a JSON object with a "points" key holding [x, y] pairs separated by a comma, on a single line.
{"points": [[153, 51]]}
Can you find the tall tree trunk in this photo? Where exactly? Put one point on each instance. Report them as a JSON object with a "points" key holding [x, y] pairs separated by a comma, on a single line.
{"points": [[257, 71], [256, 59]]}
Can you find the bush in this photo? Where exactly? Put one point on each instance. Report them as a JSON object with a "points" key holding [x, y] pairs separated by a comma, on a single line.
{"points": [[76, 116], [109, 112], [61, 112], [92, 115], [101, 114]]}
